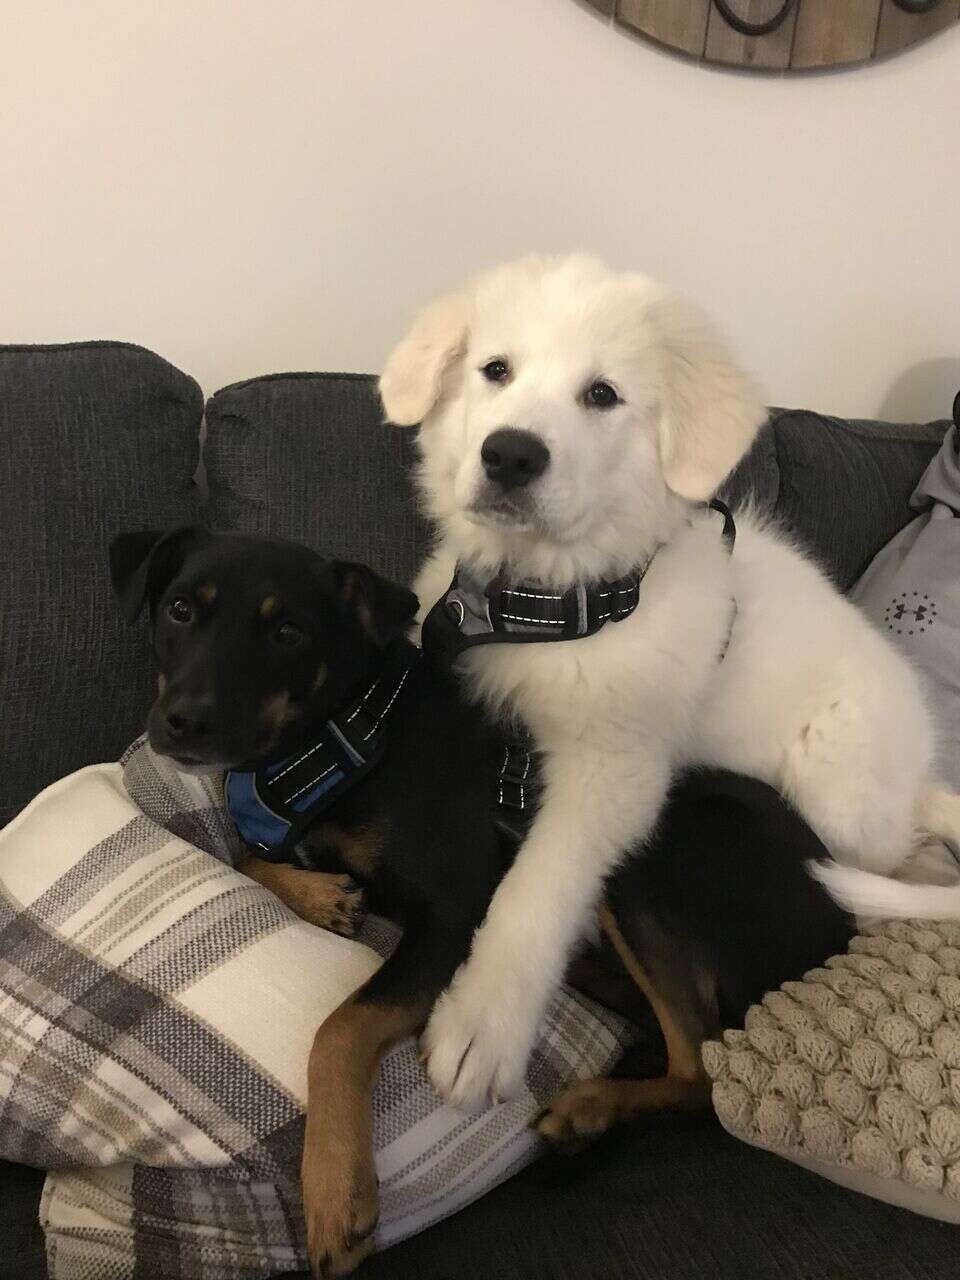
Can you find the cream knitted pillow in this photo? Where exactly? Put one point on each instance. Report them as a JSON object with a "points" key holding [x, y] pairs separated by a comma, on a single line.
{"points": [[855, 1071]]}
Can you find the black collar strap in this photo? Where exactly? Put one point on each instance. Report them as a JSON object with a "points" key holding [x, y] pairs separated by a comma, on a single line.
{"points": [[273, 806], [475, 611]]}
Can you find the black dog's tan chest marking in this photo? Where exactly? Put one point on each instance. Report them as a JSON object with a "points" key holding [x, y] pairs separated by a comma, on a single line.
{"points": [[358, 847]]}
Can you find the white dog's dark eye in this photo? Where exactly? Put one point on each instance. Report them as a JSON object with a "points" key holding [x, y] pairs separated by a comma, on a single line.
{"points": [[180, 610], [601, 395], [289, 635], [495, 370]]}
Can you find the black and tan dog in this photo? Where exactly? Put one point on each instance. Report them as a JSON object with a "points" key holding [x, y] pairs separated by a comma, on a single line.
{"points": [[260, 643]]}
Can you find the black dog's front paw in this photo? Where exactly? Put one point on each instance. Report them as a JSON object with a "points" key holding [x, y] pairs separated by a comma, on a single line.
{"points": [[348, 909], [340, 1196]]}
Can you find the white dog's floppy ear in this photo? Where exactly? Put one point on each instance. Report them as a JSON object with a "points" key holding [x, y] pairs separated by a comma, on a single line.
{"points": [[412, 378], [711, 410]]}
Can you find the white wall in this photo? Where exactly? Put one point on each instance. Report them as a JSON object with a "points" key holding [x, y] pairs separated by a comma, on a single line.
{"points": [[249, 186]]}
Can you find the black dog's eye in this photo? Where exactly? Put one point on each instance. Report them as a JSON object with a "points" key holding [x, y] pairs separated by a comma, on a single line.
{"points": [[601, 395], [180, 610], [495, 370], [289, 635]]}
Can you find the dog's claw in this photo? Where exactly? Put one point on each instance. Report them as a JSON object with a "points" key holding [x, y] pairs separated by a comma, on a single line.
{"points": [[576, 1117], [338, 1240], [349, 910]]}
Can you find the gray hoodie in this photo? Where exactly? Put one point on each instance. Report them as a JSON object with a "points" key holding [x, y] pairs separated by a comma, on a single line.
{"points": [[912, 592]]}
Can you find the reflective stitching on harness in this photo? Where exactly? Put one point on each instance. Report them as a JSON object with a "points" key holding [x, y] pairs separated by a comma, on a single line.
{"points": [[546, 622], [523, 778], [363, 701], [306, 756], [366, 737], [318, 745], [403, 680], [275, 822], [512, 751], [615, 611], [529, 595], [319, 778]]}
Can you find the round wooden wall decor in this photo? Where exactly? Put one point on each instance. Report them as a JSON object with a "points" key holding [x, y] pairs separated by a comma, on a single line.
{"points": [[784, 35]]}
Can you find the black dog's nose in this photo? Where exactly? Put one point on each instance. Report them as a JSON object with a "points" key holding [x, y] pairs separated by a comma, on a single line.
{"points": [[512, 458], [189, 719]]}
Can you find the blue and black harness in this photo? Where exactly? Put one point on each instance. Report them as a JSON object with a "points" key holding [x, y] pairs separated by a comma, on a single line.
{"points": [[275, 805]]}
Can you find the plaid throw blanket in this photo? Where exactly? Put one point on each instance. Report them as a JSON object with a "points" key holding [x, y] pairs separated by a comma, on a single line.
{"points": [[156, 1013]]}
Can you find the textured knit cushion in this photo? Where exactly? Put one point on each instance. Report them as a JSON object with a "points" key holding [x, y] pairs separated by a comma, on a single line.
{"points": [[156, 1014], [94, 438], [308, 456], [855, 1071]]}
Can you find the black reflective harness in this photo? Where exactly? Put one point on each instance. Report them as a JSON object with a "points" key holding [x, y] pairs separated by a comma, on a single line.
{"points": [[477, 610], [474, 611]]}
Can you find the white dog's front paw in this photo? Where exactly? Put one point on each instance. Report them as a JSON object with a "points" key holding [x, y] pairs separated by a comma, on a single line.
{"points": [[474, 1053]]}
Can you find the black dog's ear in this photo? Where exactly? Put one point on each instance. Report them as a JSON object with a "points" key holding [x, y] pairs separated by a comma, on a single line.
{"points": [[385, 610], [142, 564]]}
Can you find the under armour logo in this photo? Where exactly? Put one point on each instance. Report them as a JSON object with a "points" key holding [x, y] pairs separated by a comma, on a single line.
{"points": [[910, 613]]}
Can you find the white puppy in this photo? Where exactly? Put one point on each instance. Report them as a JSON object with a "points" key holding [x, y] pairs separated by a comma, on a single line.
{"points": [[628, 413]]}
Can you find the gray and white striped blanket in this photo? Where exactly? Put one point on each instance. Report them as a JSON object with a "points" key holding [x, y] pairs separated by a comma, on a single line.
{"points": [[156, 1013]]}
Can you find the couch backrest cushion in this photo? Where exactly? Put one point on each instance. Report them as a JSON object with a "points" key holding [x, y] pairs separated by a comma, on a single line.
{"points": [[841, 487], [308, 456], [95, 438]]}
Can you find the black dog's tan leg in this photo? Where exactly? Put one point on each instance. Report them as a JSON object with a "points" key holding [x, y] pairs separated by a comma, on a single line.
{"points": [[339, 1179], [340, 1199], [333, 902], [588, 1109]]}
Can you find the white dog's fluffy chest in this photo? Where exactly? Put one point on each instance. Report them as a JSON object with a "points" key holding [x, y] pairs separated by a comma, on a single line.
{"points": [[800, 675]]}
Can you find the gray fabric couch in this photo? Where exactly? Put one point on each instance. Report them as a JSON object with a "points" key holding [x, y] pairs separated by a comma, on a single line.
{"points": [[99, 437]]}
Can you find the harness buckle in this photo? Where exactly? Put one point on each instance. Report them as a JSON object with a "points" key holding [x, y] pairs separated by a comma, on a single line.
{"points": [[518, 782]]}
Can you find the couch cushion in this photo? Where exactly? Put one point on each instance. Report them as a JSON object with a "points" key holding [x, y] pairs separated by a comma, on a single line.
{"points": [[95, 437], [841, 486], [308, 456]]}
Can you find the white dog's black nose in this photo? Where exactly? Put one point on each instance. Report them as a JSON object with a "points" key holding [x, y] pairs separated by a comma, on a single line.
{"points": [[512, 458]]}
